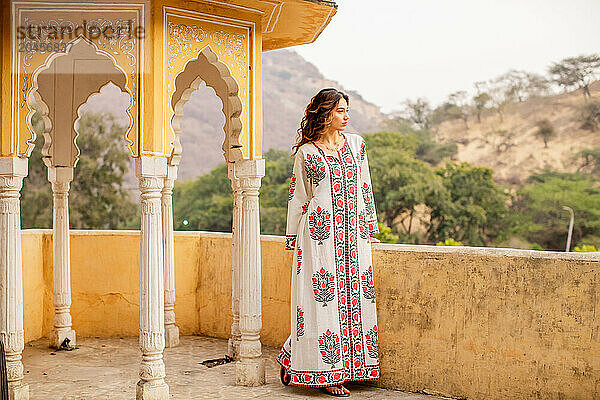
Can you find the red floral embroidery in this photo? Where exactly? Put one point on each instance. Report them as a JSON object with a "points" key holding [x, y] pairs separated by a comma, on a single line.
{"points": [[367, 285], [315, 169], [299, 261], [323, 286], [372, 343], [329, 344], [319, 224], [292, 187], [299, 322], [290, 242]]}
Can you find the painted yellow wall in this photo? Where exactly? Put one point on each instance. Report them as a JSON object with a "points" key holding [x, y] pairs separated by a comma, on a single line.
{"points": [[465, 322], [488, 323], [34, 284]]}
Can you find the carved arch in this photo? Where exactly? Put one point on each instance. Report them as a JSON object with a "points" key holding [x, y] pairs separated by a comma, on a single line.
{"points": [[207, 67], [61, 86]]}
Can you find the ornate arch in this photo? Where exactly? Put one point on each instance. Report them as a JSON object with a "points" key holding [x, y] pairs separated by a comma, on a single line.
{"points": [[103, 70], [207, 67]]}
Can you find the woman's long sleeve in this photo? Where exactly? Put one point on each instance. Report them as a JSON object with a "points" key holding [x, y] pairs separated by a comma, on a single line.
{"points": [[300, 194], [367, 191]]}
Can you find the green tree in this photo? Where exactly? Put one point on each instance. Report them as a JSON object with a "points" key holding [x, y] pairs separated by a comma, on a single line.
{"points": [[400, 182], [578, 72], [97, 198], [541, 219], [205, 203], [417, 142], [545, 130], [472, 209], [274, 192], [434, 153]]}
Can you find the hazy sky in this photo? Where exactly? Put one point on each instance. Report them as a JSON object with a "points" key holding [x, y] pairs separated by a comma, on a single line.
{"points": [[390, 50]]}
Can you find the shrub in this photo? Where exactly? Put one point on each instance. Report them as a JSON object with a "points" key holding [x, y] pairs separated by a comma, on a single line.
{"points": [[385, 234], [449, 242], [585, 248], [545, 130], [589, 115]]}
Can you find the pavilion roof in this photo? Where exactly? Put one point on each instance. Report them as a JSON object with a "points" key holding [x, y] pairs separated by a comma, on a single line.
{"points": [[290, 22]]}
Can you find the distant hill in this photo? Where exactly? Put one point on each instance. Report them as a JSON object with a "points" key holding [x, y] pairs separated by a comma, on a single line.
{"points": [[511, 148], [289, 82], [508, 146]]}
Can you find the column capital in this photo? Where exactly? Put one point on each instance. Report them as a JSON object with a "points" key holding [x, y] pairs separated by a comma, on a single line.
{"points": [[60, 174], [249, 168], [13, 166], [150, 167]]}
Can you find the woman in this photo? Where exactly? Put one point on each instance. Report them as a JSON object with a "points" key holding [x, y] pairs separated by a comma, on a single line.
{"points": [[331, 216]]}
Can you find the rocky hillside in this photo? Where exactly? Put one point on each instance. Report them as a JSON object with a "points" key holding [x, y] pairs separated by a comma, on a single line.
{"points": [[509, 145]]}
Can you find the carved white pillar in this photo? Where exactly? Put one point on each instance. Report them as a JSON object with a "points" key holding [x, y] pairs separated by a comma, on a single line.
{"points": [[171, 330], [12, 172], [236, 336], [61, 178], [151, 172], [250, 370]]}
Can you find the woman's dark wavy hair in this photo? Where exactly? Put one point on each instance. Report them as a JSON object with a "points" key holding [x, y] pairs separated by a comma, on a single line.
{"points": [[318, 115]]}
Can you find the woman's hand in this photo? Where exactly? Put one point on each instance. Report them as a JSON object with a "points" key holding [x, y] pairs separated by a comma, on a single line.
{"points": [[375, 240]]}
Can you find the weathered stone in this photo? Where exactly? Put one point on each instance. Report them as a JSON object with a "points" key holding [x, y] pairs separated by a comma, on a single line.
{"points": [[18, 391]]}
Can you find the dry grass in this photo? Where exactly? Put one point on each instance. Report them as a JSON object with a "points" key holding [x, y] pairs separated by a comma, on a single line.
{"points": [[509, 145]]}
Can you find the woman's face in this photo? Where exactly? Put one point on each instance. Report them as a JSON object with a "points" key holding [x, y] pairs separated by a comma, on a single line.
{"points": [[340, 116]]}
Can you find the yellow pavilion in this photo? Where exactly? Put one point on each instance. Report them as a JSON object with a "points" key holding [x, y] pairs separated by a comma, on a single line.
{"points": [[54, 56]]}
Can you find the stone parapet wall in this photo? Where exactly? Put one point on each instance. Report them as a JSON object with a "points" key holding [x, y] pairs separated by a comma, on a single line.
{"points": [[489, 323], [466, 322]]}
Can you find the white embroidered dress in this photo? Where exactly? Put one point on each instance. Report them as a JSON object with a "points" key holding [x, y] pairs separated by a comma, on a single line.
{"points": [[331, 215]]}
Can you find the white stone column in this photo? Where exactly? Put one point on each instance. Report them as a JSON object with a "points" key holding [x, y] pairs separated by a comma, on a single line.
{"points": [[171, 330], [250, 370], [60, 178], [151, 172], [236, 336], [12, 172]]}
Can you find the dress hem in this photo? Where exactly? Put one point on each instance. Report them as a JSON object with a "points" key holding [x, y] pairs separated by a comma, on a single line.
{"points": [[283, 355], [324, 385]]}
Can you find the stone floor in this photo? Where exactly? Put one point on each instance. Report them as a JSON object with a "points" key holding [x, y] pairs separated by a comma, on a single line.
{"points": [[107, 369]]}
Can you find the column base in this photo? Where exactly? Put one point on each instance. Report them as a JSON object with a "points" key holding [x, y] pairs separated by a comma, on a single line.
{"points": [[233, 348], [58, 336], [250, 372], [19, 391], [152, 391], [171, 336]]}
